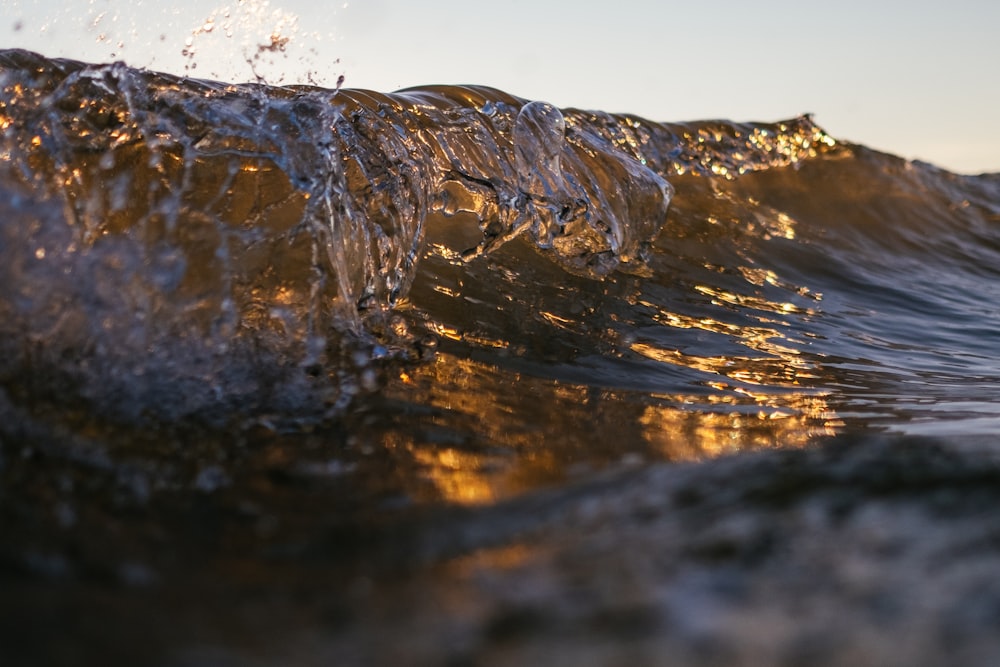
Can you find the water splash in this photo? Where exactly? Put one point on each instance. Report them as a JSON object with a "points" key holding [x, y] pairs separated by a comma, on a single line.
{"points": [[187, 238], [231, 240], [240, 40], [269, 41]]}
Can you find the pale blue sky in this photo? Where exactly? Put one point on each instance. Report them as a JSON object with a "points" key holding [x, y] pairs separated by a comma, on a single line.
{"points": [[915, 78]]}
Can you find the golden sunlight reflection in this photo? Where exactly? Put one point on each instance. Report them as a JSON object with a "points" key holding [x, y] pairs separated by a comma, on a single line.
{"points": [[492, 433], [783, 143], [458, 476], [721, 296], [673, 432]]}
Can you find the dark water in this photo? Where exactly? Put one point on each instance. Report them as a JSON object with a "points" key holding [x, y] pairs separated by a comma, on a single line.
{"points": [[362, 302]]}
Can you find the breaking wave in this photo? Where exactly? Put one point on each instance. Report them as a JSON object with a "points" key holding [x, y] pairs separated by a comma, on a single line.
{"points": [[479, 270]]}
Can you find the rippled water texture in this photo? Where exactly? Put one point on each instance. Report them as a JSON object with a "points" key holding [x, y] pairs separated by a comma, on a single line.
{"points": [[306, 376], [484, 293]]}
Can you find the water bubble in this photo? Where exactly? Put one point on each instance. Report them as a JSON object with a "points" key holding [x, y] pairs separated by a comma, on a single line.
{"points": [[539, 135]]}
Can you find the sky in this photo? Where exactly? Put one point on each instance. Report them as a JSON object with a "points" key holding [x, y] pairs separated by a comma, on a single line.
{"points": [[915, 78]]}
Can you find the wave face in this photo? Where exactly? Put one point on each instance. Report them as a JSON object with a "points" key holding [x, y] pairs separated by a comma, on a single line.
{"points": [[485, 290]]}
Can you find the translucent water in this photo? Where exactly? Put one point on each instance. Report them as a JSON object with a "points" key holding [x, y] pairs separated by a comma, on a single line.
{"points": [[182, 251]]}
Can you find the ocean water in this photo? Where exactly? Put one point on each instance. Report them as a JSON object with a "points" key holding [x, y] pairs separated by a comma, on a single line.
{"points": [[276, 360], [492, 293]]}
